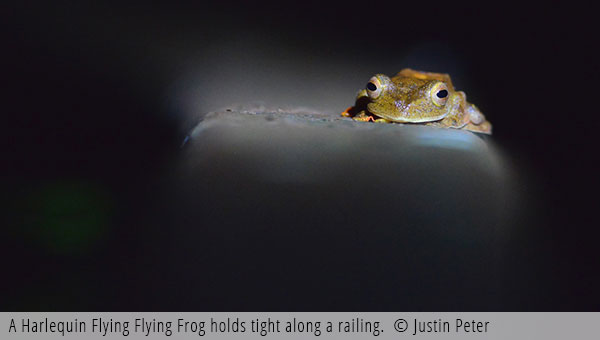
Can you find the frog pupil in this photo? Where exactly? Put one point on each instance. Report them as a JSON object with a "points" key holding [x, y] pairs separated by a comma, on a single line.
{"points": [[442, 93], [371, 86]]}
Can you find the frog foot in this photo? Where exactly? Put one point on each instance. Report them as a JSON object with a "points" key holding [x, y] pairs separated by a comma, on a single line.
{"points": [[346, 112], [364, 119]]}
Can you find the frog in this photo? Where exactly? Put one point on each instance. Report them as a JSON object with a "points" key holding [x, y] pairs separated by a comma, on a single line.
{"points": [[417, 97]]}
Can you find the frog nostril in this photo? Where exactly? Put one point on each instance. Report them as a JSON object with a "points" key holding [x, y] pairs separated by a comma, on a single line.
{"points": [[371, 86]]}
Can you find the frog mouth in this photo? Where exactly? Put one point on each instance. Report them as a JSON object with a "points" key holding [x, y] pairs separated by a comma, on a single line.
{"points": [[403, 114]]}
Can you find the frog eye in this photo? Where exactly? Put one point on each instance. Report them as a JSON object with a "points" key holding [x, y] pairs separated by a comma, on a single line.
{"points": [[439, 94], [374, 88]]}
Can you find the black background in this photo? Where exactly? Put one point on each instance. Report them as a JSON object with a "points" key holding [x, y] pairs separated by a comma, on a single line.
{"points": [[82, 101]]}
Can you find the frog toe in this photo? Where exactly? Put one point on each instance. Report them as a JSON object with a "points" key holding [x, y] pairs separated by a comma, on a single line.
{"points": [[381, 120], [364, 119]]}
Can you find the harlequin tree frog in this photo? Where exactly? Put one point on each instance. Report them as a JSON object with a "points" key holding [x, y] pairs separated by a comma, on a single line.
{"points": [[417, 97]]}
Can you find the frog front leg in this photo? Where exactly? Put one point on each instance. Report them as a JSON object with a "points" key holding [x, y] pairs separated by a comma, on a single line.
{"points": [[356, 112], [456, 117], [362, 98], [477, 121], [359, 113]]}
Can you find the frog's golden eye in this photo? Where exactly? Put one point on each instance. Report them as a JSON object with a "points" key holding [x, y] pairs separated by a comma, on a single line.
{"points": [[374, 88], [439, 94]]}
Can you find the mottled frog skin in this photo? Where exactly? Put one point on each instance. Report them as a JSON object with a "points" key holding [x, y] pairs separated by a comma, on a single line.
{"points": [[419, 98]]}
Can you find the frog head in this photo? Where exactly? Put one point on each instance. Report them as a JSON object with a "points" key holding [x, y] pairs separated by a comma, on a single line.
{"points": [[408, 98]]}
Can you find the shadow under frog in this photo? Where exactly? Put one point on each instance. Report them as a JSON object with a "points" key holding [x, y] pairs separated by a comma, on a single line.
{"points": [[417, 97]]}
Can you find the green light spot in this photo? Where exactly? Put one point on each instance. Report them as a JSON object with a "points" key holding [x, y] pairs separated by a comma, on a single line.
{"points": [[68, 217]]}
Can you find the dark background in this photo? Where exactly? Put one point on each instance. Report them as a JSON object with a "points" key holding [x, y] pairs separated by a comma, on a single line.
{"points": [[91, 131]]}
